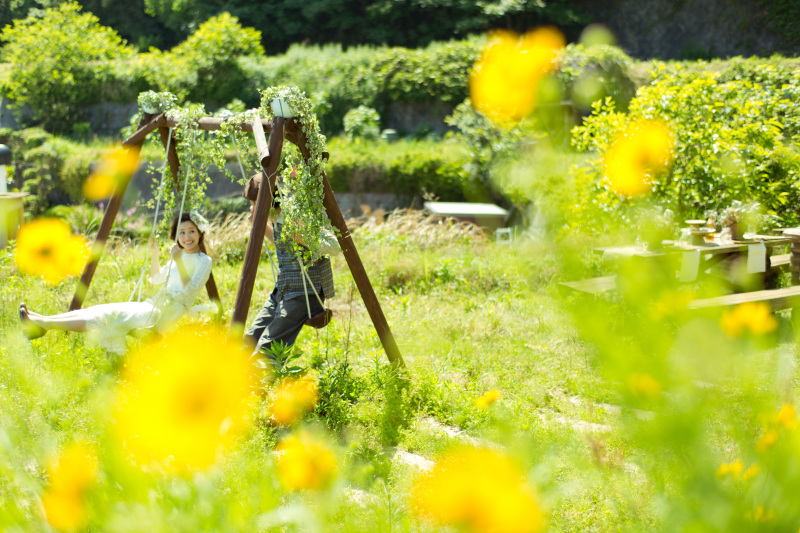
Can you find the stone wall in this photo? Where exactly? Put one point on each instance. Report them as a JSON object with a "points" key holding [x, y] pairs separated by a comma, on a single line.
{"points": [[687, 29]]}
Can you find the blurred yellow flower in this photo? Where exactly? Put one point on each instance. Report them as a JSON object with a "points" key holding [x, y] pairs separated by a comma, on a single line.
{"points": [[487, 399], [751, 472], [184, 398], [115, 169], [766, 440], [292, 399], [47, 248], [644, 385], [670, 303], [760, 514], [305, 463], [734, 469], [637, 154], [755, 316], [787, 417], [70, 475], [504, 82], [479, 490]]}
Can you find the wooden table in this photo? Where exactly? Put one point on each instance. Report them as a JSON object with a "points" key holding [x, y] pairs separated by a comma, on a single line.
{"points": [[711, 253]]}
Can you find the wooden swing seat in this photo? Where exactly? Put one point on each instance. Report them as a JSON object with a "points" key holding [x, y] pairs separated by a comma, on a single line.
{"points": [[320, 320]]}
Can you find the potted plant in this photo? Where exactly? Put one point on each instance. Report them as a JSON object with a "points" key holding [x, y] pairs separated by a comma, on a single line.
{"points": [[738, 216], [152, 102]]}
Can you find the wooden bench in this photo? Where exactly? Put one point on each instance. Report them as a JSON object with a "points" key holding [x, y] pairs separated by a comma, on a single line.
{"points": [[784, 298], [591, 285], [782, 260]]}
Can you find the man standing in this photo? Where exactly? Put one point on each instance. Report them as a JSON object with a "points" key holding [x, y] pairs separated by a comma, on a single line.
{"points": [[299, 294]]}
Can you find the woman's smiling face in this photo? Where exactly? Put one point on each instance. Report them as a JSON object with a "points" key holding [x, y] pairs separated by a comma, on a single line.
{"points": [[188, 237]]}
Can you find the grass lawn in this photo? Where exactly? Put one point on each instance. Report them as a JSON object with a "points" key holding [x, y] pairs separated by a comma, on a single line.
{"points": [[469, 316]]}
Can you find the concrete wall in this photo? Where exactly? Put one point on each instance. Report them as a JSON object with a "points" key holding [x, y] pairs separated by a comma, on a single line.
{"points": [[140, 190]]}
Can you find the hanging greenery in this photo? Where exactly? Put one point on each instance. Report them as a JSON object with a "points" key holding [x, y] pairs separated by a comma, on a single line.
{"points": [[152, 102], [304, 216]]}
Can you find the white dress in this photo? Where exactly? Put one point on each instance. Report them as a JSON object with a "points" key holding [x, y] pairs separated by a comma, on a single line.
{"points": [[109, 324]]}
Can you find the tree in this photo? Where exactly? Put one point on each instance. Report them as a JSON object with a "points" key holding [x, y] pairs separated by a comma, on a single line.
{"points": [[58, 63]]}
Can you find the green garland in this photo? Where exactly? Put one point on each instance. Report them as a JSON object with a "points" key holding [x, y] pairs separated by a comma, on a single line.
{"points": [[304, 216]]}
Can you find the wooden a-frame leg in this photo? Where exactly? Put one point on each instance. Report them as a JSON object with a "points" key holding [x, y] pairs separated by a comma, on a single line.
{"points": [[134, 144], [270, 156], [295, 134]]}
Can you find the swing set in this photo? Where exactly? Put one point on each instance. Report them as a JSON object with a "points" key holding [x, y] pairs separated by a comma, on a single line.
{"points": [[269, 157]]}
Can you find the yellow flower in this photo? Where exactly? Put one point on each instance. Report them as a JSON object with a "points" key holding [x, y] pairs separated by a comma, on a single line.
{"points": [[760, 514], [70, 476], [766, 440], [644, 385], [755, 316], [183, 399], [734, 469], [787, 417], [751, 472], [292, 399], [479, 490], [305, 463], [636, 155], [115, 169], [504, 82], [671, 303], [47, 248], [488, 398]]}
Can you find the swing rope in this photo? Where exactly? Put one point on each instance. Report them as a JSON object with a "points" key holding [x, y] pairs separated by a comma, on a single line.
{"points": [[140, 283], [305, 288], [180, 212]]}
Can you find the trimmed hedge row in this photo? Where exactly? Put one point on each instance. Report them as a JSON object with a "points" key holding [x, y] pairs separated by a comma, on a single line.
{"points": [[52, 169]]}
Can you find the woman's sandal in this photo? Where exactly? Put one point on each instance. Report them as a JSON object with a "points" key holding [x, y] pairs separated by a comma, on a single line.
{"points": [[320, 320], [29, 327]]}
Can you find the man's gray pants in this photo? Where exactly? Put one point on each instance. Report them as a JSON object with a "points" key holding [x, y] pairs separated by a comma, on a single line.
{"points": [[281, 320]]}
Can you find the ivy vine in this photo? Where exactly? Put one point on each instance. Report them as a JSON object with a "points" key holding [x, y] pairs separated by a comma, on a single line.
{"points": [[304, 216]]}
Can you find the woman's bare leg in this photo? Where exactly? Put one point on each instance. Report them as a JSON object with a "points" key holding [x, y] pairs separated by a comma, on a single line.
{"points": [[70, 321]]}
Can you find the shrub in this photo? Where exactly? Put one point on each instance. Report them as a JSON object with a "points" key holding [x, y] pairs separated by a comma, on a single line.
{"points": [[204, 68], [488, 144], [404, 167], [592, 73], [338, 80], [59, 63], [734, 141], [362, 122]]}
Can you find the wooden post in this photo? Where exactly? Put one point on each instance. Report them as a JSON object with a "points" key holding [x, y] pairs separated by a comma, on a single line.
{"points": [[260, 215], [794, 260], [295, 134], [134, 145]]}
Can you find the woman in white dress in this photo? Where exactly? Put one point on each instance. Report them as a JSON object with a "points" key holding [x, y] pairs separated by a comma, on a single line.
{"points": [[180, 281]]}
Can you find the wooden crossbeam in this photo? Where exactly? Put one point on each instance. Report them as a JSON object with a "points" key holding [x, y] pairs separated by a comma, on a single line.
{"points": [[215, 124]]}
